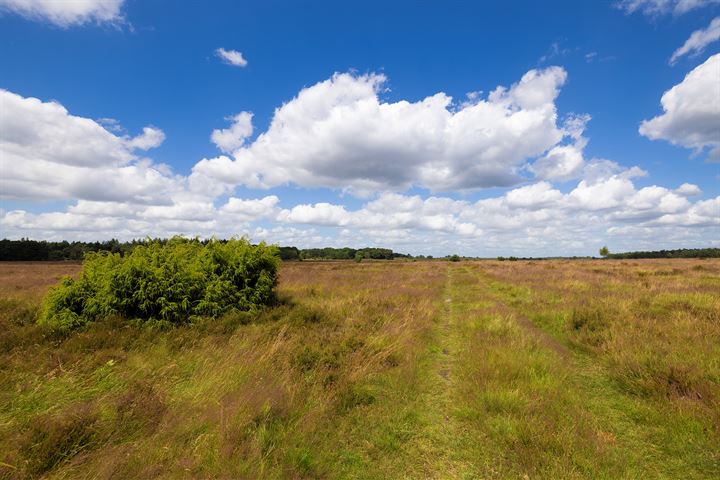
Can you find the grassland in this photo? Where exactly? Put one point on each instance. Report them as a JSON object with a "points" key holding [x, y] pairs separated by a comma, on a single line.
{"points": [[546, 369]]}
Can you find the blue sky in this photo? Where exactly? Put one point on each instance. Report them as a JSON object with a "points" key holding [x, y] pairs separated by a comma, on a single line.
{"points": [[365, 146]]}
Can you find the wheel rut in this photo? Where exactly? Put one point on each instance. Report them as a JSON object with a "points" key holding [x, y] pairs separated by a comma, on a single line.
{"points": [[541, 336]]}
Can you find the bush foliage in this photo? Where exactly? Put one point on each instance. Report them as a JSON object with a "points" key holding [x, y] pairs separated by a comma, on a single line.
{"points": [[168, 282]]}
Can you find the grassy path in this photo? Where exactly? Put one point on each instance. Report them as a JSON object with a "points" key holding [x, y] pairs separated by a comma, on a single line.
{"points": [[519, 403], [443, 442]]}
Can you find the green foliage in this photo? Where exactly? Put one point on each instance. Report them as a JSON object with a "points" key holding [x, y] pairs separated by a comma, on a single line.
{"points": [[604, 251], [289, 253], [454, 258], [171, 282], [33, 250], [679, 253], [346, 253]]}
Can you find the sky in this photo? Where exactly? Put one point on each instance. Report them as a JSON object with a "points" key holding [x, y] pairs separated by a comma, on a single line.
{"points": [[478, 128]]}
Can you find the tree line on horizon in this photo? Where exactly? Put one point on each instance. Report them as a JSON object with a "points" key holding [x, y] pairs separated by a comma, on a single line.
{"points": [[677, 253], [41, 250]]}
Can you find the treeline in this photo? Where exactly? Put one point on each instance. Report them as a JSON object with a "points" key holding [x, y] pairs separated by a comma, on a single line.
{"points": [[680, 253], [346, 253], [34, 250]]}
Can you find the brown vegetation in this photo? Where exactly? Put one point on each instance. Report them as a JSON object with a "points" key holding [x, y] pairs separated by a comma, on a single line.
{"points": [[544, 369]]}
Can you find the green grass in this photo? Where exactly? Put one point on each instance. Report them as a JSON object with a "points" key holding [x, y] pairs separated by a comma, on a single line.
{"points": [[381, 370]]}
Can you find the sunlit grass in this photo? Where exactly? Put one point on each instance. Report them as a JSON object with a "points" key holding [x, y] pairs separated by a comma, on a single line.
{"points": [[380, 370]]}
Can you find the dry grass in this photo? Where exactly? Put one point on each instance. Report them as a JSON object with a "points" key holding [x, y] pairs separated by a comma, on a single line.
{"points": [[552, 369], [654, 323], [279, 395]]}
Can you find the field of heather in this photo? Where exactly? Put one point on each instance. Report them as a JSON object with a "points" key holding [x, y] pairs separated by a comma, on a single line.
{"points": [[428, 369]]}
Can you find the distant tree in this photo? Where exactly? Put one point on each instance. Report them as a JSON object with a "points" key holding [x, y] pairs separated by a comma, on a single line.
{"points": [[289, 253], [604, 251], [454, 258]]}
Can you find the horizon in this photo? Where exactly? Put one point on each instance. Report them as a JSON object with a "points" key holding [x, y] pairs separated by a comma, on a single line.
{"points": [[511, 129]]}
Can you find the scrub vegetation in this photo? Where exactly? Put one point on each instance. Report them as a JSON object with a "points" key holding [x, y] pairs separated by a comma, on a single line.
{"points": [[171, 282], [379, 369]]}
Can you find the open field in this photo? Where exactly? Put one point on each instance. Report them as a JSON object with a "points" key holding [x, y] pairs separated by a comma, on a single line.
{"points": [[542, 369]]}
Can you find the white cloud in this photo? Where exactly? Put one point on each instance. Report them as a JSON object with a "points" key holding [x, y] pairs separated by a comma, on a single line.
{"points": [[340, 134], [533, 197], [688, 190], [606, 194], [230, 139], [150, 138], [67, 13], [661, 7], [47, 153], [231, 57], [249, 210], [691, 115], [45, 130], [698, 40], [563, 162], [318, 214], [535, 219]]}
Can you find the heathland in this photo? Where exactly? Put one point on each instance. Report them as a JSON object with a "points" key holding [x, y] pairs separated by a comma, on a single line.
{"points": [[379, 369]]}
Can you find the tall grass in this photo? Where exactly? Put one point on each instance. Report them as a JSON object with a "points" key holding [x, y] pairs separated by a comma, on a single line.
{"points": [[378, 370]]}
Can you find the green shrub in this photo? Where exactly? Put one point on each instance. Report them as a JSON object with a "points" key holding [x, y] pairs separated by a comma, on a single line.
{"points": [[168, 282]]}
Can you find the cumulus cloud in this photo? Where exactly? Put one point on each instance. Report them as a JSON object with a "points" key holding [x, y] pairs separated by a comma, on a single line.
{"points": [[231, 139], [47, 153], [532, 219], [318, 214], [662, 7], [698, 40], [67, 13], [691, 115], [565, 162], [151, 137], [688, 190], [231, 57], [340, 134], [253, 209]]}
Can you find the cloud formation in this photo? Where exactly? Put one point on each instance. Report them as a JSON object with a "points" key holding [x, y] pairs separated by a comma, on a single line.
{"points": [[691, 108], [47, 153], [231, 57], [661, 7], [231, 139], [698, 40], [341, 134], [532, 219], [67, 13], [113, 191]]}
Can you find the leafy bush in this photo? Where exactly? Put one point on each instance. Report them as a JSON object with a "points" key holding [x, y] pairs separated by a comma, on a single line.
{"points": [[166, 282]]}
